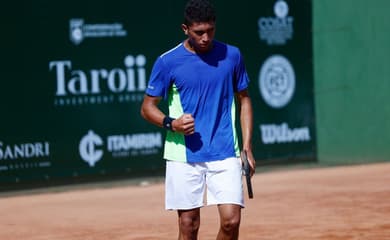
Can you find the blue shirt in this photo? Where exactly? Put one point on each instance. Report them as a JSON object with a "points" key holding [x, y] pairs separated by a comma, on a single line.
{"points": [[204, 86]]}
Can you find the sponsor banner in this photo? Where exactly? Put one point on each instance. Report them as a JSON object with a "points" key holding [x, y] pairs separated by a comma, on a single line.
{"points": [[18, 159], [277, 29], [277, 81], [284, 100], [74, 80], [77, 83], [79, 30], [275, 38], [93, 147], [77, 87], [279, 134], [24, 156]]}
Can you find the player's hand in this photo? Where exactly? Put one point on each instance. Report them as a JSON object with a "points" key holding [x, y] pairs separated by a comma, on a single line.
{"points": [[252, 162], [184, 124]]}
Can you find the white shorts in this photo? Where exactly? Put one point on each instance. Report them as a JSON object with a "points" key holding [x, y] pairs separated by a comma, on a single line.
{"points": [[185, 184]]}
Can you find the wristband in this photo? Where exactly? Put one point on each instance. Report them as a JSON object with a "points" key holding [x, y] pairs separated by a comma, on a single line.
{"points": [[167, 123]]}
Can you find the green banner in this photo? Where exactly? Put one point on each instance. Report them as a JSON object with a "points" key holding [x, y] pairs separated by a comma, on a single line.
{"points": [[276, 40], [75, 74]]}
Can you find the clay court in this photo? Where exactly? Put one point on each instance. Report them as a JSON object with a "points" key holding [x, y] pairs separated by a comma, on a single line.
{"points": [[348, 203]]}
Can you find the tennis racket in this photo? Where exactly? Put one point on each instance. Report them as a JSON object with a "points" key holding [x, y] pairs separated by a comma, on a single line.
{"points": [[246, 173]]}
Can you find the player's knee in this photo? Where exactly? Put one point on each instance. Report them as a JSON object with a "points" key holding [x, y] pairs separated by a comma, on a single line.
{"points": [[189, 224], [231, 224]]}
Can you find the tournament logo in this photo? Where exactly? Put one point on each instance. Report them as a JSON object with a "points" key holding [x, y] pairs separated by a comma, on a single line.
{"points": [[76, 30], [88, 148], [281, 9], [277, 81], [278, 29]]}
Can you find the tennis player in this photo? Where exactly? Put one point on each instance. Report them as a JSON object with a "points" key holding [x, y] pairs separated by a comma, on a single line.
{"points": [[204, 82]]}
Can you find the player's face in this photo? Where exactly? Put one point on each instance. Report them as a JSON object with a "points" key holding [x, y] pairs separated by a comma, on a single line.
{"points": [[200, 35]]}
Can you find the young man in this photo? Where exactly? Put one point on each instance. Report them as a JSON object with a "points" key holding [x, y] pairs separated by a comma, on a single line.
{"points": [[201, 78]]}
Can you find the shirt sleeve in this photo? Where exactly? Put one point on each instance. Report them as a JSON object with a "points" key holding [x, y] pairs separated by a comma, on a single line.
{"points": [[159, 81], [241, 79]]}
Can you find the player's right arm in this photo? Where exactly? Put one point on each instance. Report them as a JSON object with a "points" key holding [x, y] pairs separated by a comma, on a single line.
{"points": [[149, 110]]}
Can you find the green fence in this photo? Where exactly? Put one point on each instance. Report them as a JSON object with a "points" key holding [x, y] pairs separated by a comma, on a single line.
{"points": [[352, 54]]}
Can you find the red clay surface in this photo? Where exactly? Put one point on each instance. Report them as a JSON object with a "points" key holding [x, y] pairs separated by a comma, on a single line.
{"points": [[348, 203]]}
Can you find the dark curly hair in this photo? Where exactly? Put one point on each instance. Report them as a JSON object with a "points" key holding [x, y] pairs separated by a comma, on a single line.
{"points": [[199, 11]]}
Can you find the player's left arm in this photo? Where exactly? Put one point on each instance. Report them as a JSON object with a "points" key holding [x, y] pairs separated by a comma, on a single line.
{"points": [[246, 121]]}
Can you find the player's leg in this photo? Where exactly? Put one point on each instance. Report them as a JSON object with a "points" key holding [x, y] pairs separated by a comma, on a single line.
{"points": [[184, 191], [224, 182], [225, 189], [230, 217], [189, 222]]}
